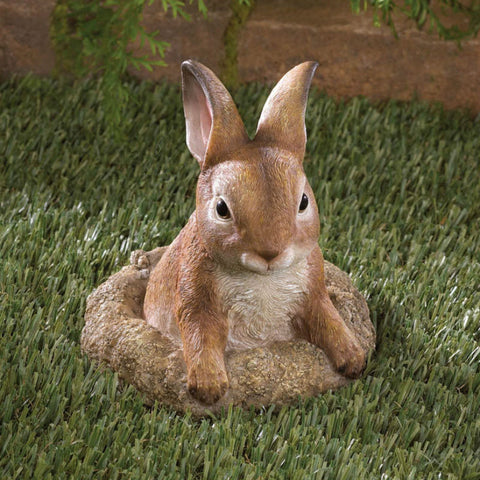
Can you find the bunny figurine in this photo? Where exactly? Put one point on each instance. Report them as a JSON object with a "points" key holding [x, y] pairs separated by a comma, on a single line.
{"points": [[246, 270]]}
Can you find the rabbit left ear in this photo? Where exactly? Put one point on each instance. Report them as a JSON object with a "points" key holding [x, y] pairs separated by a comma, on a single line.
{"points": [[282, 122], [214, 126]]}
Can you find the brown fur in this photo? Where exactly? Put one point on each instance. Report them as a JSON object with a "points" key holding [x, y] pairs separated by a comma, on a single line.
{"points": [[263, 181], [321, 324]]}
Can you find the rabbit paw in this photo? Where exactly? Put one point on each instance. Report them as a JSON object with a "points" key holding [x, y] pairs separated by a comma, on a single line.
{"points": [[147, 260], [206, 382], [139, 259], [348, 357]]}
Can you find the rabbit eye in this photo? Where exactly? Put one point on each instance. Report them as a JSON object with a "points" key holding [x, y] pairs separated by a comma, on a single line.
{"points": [[303, 203], [222, 209]]}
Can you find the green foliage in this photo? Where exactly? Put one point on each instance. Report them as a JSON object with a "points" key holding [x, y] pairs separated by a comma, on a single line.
{"points": [[447, 18], [96, 37], [397, 188]]}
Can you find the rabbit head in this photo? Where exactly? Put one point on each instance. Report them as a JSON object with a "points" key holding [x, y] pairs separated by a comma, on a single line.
{"points": [[255, 209]]}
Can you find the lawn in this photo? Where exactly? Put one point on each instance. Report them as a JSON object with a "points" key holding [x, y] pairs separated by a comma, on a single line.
{"points": [[398, 189]]}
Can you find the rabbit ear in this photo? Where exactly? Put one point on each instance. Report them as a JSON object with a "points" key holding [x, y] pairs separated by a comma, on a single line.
{"points": [[282, 122], [214, 126]]}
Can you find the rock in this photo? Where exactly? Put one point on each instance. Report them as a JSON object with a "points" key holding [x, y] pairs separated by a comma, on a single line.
{"points": [[201, 38], [116, 335], [357, 58], [24, 37]]}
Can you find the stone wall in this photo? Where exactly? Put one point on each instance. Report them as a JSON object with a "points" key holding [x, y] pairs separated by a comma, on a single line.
{"points": [[355, 57], [24, 39]]}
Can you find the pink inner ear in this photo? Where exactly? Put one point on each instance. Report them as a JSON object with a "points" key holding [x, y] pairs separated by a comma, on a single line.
{"points": [[198, 116], [206, 122], [212, 121]]}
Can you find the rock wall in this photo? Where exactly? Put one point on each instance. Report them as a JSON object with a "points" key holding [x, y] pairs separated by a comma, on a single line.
{"points": [[355, 57], [24, 39]]}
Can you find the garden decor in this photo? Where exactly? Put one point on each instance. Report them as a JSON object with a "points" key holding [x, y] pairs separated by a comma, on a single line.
{"points": [[236, 310]]}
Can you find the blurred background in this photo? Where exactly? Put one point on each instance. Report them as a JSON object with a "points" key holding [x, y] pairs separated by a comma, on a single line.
{"points": [[380, 49]]}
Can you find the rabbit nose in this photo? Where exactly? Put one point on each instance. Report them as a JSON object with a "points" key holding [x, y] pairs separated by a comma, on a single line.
{"points": [[269, 254]]}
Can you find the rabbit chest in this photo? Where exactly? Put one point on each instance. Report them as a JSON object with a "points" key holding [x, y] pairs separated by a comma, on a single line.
{"points": [[260, 308]]}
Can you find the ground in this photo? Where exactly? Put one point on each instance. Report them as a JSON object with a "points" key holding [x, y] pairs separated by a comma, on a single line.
{"points": [[397, 188]]}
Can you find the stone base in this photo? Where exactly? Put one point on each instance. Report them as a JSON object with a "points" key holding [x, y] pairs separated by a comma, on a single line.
{"points": [[115, 334]]}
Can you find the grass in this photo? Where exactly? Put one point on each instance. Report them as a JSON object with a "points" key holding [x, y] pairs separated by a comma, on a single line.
{"points": [[398, 191]]}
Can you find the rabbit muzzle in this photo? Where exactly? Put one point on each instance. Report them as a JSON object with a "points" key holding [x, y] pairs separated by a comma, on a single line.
{"points": [[267, 261]]}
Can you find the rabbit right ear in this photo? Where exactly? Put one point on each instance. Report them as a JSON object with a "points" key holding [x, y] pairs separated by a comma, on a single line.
{"points": [[214, 126]]}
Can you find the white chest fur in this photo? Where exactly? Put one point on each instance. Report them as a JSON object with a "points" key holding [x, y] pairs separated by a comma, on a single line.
{"points": [[260, 307]]}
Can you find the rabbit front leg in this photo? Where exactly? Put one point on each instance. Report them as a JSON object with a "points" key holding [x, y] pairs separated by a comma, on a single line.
{"points": [[323, 326], [327, 329], [204, 336]]}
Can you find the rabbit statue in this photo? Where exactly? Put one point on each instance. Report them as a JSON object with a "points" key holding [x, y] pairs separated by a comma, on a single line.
{"points": [[246, 270]]}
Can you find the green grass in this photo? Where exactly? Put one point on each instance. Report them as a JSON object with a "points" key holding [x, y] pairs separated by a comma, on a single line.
{"points": [[399, 197]]}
